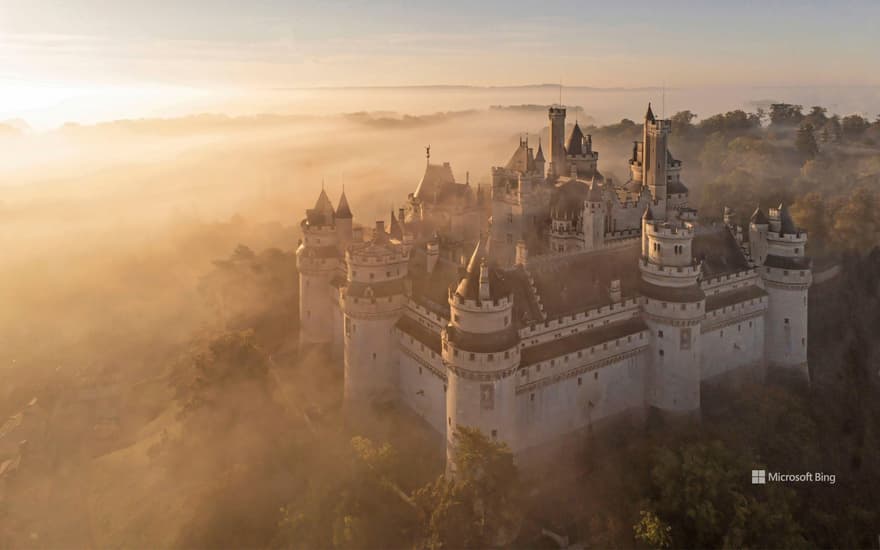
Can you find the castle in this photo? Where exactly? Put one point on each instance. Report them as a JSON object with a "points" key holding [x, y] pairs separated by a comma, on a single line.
{"points": [[555, 301]]}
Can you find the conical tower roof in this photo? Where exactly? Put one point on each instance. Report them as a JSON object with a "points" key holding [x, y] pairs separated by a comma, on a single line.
{"points": [[758, 217], [396, 231], [539, 156], [649, 116], [469, 287], [343, 211], [576, 141], [323, 204], [787, 225]]}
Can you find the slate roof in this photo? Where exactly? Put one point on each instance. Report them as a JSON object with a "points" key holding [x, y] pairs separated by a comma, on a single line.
{"points": [[788, 262], [436, 179], [575, 283], [575, 141], [787, 225], [522, 159], [539, 156], [717, 248], [575, 342], [343, 211], [759, 218], [718, 301], [421, 333]]}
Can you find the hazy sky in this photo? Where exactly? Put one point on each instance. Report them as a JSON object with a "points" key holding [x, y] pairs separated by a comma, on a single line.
{"points": [[49, 48]]}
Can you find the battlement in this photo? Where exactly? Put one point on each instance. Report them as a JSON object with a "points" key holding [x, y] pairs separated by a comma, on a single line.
{"points": [[665, 229]]}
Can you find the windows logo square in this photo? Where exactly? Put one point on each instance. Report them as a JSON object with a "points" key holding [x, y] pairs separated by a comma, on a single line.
{"points": [[759, 477]]}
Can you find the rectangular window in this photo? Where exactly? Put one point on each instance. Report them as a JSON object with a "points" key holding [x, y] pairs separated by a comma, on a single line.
{"points": [[487, 397]]}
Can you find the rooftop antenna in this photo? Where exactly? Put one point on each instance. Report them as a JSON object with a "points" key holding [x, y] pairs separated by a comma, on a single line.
{"points": [[663, 106], [560, 91]]}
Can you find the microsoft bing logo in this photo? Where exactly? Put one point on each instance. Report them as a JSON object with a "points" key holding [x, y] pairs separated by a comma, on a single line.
{"points": [[759, 477]]}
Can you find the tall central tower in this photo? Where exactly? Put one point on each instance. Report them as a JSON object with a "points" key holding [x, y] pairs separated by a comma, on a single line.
{"points": [[557, 142], [655, 136]]}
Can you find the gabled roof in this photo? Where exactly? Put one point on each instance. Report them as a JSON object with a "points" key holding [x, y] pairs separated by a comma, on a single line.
{"points": [[521, 160], [343, 211], [436, 178], [575, 141]]}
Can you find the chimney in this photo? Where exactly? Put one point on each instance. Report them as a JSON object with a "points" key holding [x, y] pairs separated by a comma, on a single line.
{"points": [[379, 232], [432, 253], [522, 253]]}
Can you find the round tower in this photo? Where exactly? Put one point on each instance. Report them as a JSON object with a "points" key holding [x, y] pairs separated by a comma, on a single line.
{"points": [[317, 259], [786, 272], [481, 354], [674, 307], [373, 301]]}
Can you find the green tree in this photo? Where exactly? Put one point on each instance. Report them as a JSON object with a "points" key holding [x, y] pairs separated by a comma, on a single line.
{"points": [[652, 531], [810, 212], [853, 126], [785, 114], [479, 504], [805, 141], [856, 222], [682, 122], [703, 493]]}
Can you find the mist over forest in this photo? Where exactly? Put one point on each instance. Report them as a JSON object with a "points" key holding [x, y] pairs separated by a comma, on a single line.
{"points": [[149, 369]]}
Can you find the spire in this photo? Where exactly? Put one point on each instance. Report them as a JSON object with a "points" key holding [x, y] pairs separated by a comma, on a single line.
{"points": [[323, 204], [649, 116], [343, 211], [575, 141], [471, 285], [758, 218], [539, 156], [786, 223]]}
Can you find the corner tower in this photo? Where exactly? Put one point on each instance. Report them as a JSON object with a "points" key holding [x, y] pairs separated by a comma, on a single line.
{"points": [[372, 303], [674, 307], [786, 272], [317, 259], [481, 353]]}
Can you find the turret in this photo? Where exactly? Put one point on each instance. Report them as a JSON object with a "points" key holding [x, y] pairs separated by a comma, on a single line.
{"points": [[373, 301], [787, 276], [594, 218], [674, 306], [557, 142], [481, 353], [539, 159], [318, 258], [758, 228]]}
